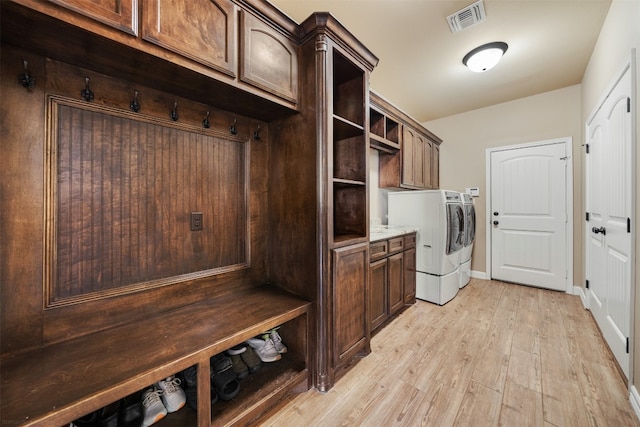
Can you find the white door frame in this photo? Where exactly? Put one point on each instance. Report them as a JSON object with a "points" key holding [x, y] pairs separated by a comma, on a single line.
{"points": [[568, 141]]}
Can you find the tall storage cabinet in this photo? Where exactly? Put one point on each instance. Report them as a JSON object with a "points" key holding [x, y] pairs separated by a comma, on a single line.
{"points": [[330, 137]]}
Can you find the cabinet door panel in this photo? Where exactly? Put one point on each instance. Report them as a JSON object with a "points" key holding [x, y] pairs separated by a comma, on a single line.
{"points": [[201, 30], [408, 149], [268, 60], [378, 292], [409, 276], [418, 161], [120, 14], [351, 326], [435, 166], [426, 161], [396, 294]]}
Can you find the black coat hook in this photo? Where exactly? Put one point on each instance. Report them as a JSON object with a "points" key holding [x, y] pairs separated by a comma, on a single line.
{"points": [[205, 122], [174, 112], [256, 134], [86, 93], [233, 129], [135, 105], [26, 79]]}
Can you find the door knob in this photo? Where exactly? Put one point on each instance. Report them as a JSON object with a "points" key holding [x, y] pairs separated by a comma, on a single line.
{"points": [[495, 223], [597, 230]]}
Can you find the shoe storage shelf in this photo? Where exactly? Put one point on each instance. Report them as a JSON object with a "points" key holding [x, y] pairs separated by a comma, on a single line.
{"points": [[54, 385]]}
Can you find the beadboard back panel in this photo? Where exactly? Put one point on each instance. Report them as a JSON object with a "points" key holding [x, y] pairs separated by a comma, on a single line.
{"points": [[124, 192]]}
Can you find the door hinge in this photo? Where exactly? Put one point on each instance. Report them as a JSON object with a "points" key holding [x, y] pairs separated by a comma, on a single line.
{"points": [[628, 104], [627, 345], [587, 147], [586, 216], [628, 225], [586, 283]]}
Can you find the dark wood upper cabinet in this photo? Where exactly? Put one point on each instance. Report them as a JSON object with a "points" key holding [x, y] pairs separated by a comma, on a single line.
{"points": [[409, 153], [120, 14], [201, 30], [268, 59]]}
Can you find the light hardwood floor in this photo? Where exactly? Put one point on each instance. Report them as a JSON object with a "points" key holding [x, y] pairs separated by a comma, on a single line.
{"points": [[497, 354]]}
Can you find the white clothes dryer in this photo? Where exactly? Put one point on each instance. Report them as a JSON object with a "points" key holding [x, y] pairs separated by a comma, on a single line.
{"points": [[469, 234], [438, 215]]}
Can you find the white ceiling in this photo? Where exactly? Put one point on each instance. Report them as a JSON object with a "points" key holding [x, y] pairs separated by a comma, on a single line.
{"points": [[421, 70]]}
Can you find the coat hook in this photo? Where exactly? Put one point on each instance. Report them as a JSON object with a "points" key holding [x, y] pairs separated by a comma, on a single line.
{"points": [[135, 105], [233, 129], [174, 113], [26, 79], [86, 93], [256, 134], [205, 122]]}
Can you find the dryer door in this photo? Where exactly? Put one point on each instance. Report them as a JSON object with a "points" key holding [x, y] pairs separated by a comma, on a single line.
{"points": [[455, 227], [470, 225]]}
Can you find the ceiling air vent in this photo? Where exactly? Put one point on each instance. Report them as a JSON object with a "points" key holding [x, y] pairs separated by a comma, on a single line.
{"points": [[467, 17]]}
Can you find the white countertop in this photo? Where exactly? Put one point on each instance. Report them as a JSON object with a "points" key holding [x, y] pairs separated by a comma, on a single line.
{"points": [[382, 232]]}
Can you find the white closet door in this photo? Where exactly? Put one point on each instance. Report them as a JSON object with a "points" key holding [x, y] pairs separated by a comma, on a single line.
{"points": [[609, 204]]}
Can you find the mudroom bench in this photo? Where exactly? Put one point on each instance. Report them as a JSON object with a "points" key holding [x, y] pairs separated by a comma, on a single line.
{"points": [[54, 385]]}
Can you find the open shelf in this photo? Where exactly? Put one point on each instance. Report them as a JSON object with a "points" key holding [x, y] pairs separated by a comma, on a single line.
{"points": [[348, 90]]}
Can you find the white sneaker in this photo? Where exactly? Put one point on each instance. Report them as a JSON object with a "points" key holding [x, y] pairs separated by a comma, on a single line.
{"points": [[152, 407], [277, 341], [265, 349], [173, 396]]}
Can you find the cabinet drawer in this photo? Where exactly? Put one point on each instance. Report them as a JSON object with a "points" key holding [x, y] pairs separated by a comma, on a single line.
{"points": [[396, 244], [378, 250], [409, 240]]}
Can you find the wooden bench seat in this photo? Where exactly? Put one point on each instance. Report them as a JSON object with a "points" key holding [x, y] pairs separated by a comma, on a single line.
{"points": [[54, 385]]}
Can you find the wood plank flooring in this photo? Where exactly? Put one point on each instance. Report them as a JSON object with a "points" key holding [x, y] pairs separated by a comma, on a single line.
{"points": [[496, 355]]}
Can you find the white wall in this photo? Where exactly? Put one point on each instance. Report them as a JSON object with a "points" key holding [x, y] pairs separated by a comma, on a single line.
{"points": [[466, 137]]}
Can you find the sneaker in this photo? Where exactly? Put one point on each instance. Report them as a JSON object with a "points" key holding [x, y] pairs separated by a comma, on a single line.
{"points": [[236, 349], [238, 366], [277, 341], [152, 407], [173, 396], [265, 349]]}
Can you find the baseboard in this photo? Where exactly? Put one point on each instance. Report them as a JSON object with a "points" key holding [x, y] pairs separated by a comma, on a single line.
{"points": [[478, 274], [634, 398], [577, 290]]}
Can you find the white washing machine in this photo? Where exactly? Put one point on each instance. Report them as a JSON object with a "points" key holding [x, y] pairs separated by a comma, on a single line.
{"points": [[469, 234], [438, 215]]}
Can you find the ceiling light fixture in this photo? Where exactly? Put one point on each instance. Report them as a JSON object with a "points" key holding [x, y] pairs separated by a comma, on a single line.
{"points": [[485, 57]]}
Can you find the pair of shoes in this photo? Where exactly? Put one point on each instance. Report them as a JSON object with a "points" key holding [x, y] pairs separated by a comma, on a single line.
{"points": [[277, 340], [126, 412], [165, 397], [190, 386], [223, 378], [265, 349], [237, 364]]}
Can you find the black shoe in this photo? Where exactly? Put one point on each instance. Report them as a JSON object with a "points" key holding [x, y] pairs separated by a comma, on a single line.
{"points": [[131, 411], [104, 417]]}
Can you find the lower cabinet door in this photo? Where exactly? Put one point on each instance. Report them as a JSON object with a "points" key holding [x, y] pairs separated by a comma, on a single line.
{"points": [[409, 276], [378, 292], [396, 292], [350, 323]]}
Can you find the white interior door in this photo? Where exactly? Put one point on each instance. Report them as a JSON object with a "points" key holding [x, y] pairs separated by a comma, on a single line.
{"points": [[609, 205], [528, 221]]}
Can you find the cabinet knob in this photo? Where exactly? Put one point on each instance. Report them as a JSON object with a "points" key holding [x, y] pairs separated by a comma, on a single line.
{"points": [[495, 223]]}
